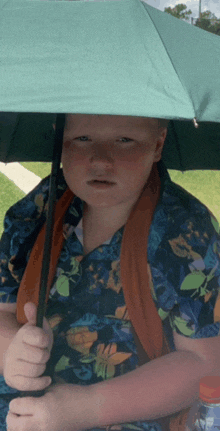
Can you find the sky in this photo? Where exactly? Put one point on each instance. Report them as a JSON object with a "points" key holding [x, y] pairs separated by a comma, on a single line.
{"points": [[212, 5]]}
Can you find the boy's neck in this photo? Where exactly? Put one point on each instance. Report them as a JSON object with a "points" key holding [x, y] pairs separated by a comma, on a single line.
{"points": [[105, 217]]}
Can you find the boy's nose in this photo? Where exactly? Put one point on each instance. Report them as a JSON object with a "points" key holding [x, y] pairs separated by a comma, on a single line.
{"points": [[101, 154]]}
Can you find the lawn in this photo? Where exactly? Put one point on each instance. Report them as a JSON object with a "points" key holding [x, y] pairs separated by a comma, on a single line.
{"points": [[9, 194], [205, 185]]}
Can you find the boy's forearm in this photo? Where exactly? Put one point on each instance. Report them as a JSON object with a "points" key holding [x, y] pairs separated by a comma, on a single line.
{"points": [[8, 329], [157, 389]]}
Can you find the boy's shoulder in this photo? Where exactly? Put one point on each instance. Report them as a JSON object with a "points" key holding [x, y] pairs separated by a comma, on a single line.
{"points": [[182, 218], [179, 204], [33, 204]]}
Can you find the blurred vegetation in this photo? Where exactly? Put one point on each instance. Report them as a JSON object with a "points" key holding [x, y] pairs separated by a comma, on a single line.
{"points": [[208, 21]]}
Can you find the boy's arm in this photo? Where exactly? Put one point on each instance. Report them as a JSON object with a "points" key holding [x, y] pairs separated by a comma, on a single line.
{"points": [[159, 388]]}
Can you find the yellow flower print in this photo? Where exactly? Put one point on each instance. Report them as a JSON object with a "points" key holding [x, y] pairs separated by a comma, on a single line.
{"points": [[81, 339], [96, 278], [122, 313], [217, 308], [106, 360], [151, 283], [54, 321], [114, 428], [11, 268], [120, 427], [79, 258], [114, 282], [39, 201], [182, 249]]}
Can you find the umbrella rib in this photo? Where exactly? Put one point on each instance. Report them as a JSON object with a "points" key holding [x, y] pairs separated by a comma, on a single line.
{"points": [[171, 61]]}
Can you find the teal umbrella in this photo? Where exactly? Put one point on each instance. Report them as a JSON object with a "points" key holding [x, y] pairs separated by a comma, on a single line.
{"points": [[105, 57]]}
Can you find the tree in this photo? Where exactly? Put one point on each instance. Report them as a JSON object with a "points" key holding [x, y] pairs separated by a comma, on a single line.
{"points": [[209, 22], [179, 11]]}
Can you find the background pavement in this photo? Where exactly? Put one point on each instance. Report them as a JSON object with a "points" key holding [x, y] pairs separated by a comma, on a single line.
{"points": [[21, 177]]}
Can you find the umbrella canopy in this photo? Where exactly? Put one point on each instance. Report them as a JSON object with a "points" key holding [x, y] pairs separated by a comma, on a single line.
{"points": [[107, 57]]}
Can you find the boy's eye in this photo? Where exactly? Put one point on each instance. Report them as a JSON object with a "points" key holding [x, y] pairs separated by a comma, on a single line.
{"points": [[128, 139], [83, 138], [80, 137]]}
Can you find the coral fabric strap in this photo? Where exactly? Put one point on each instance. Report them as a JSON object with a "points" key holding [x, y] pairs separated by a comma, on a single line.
{"points": [[30, 284], [134, 270]]}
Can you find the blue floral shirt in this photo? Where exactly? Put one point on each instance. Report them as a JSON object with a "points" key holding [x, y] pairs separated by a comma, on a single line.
{"points": [[86, 309]]}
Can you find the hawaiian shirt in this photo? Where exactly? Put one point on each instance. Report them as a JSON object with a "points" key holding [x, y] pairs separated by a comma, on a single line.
{"points": [[93, 340]]}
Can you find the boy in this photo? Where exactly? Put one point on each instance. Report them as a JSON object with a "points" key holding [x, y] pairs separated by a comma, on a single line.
{"points": [[93, 338]]}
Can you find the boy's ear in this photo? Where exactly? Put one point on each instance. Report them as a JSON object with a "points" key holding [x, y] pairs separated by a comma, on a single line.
{"points": [[54, 126], [160, 145]]}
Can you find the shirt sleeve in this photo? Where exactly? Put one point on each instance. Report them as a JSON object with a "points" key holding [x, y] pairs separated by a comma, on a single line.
{"points": [[186, 269], [22, 223]]}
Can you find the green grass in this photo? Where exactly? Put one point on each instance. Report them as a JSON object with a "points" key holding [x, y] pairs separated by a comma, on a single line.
{"points": [[204, 185], [9, 194]]}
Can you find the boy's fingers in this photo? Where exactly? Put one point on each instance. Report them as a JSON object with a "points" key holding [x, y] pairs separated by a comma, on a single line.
{"points": [[30, 311], [34, 355], [31, 384], [35, 337]]}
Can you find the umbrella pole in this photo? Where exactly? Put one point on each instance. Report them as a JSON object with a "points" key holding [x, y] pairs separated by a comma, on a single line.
{"points": [[60, 123], [57, 151]]}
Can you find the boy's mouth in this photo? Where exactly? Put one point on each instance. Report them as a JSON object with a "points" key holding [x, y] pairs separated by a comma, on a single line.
{"points": [[100, 184]]}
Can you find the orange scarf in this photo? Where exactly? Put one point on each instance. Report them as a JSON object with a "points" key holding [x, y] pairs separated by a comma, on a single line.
{"points": [[134, 271]]}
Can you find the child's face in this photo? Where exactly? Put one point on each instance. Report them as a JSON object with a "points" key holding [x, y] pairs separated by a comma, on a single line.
{"points": [[119, 149]]}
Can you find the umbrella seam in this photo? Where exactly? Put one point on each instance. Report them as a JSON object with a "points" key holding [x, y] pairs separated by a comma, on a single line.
{"points": [[185, 91]]}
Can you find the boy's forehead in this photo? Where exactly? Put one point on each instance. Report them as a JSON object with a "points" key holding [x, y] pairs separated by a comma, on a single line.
{"points": [[117, 121]]}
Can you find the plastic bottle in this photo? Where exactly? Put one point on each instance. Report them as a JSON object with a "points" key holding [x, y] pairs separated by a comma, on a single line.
{"points": [[205, 412]]}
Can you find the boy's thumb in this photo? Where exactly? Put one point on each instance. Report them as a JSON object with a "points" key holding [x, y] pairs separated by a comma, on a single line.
{"points": [[30, 311]]}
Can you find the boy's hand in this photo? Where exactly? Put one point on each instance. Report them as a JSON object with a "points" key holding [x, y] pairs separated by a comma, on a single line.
{"points": [[28, 353], [63, 407]]}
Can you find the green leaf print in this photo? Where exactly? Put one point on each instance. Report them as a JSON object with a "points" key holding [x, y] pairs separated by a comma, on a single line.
{"points": [[74, 266], [2, 294], [181, 324], [62, 364], [88, 359], [163, 314], [215, 247], [110, 372], [133, 427], [215, 224], [62, 285], [74, 212], [99, 369], [193, 280]]}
